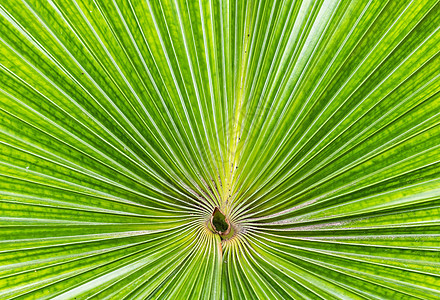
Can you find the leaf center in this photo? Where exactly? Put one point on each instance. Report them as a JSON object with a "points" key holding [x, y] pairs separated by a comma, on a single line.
{"points": [[219, 222]]}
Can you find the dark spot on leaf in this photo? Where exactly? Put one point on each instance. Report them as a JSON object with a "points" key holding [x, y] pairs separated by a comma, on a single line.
{"points": [[219, 221]]}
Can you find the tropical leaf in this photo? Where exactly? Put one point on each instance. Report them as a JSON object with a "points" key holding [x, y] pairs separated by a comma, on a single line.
{"points": [[219, 149]]}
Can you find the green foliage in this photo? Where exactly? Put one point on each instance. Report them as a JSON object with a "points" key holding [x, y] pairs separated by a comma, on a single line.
{"points": [[312, 125]]}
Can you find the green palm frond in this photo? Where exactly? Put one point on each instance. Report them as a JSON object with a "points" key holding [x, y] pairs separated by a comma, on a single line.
{"points": [[219, 149]]}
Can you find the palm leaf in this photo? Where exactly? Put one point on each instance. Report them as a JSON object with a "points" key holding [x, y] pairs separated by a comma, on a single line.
{"points": [[309, 129]]}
